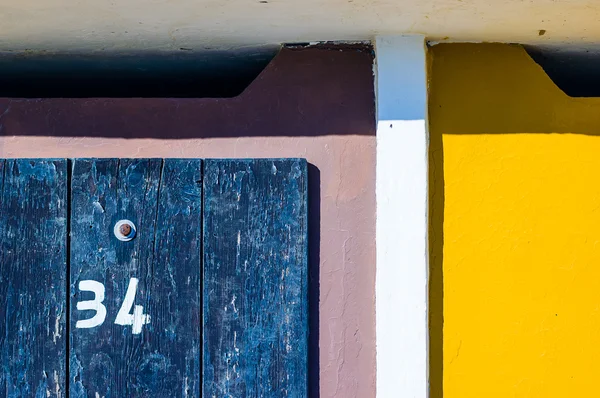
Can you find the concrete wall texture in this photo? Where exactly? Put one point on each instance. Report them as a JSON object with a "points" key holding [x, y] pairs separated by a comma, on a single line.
{"points": [[514, 215], [316, 103]]}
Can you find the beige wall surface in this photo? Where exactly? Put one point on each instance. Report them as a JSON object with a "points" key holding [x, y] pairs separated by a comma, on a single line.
{"points": [[203, 25]]}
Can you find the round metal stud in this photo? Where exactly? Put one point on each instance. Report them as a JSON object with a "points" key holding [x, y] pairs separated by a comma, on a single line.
{"points": [[124, 230]]}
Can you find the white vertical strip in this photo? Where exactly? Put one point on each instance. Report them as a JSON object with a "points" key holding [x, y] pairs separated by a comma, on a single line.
{"points": [[402, 258]]}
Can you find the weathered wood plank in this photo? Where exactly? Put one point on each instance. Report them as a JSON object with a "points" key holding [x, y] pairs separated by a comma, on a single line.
{"points": [[176, 283], [255, 278], [33, 284], [156, 356]]}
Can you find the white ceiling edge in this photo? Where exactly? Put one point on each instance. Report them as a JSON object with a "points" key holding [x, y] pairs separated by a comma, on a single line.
{"points": [[204, 25]]}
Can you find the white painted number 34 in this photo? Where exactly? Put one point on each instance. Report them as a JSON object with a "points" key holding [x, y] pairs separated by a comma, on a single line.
{"points": [[137, 319]]}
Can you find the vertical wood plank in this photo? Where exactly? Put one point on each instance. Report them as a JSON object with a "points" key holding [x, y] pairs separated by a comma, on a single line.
{"points": [[163, 200], [33, 284], [255, 278], [177, 272]]}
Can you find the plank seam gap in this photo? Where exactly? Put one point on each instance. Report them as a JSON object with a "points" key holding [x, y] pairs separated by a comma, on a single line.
{"points": [[201, 287], [158, 190], [68, 281], [3, 174]]}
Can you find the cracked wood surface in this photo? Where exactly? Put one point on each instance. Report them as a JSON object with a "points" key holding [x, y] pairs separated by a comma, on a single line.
{"points": [[255, 322], [163, 199], [33, 238]]}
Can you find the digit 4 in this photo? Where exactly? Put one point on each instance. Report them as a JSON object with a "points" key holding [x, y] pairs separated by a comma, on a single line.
{"points": [[137, 319]]}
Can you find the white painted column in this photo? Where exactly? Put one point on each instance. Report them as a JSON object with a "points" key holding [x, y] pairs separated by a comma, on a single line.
{"points": [[402, 257]]}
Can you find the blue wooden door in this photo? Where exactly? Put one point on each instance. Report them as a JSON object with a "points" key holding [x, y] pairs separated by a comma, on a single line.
{"points": [[153, 278]]}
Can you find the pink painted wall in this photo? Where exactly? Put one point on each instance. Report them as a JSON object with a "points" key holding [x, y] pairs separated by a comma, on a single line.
{"points": [[314, 103]]}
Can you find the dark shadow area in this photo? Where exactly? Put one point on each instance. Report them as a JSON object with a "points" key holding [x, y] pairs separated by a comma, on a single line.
{"points": [[573, 70], [183, 74], [314, 249], [304, 91], [436, 270], [502, 90]]}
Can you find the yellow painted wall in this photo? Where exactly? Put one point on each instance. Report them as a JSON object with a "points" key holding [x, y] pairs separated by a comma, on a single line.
{"points": [[515, 228]]}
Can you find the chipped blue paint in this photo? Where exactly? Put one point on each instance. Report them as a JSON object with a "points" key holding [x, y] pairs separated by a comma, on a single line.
{"points": [[163, 360], [33, 237], [254, 317], [255, 278]]}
